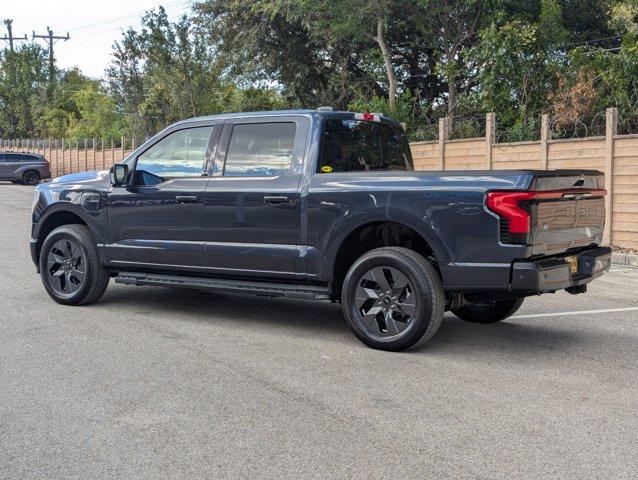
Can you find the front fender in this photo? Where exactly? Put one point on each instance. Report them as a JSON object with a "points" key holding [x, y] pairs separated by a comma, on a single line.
{"points": [[87, 202]]}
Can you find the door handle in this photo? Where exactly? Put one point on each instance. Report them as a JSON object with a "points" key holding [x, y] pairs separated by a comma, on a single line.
{"points": [[186, 199], [276, 199]]}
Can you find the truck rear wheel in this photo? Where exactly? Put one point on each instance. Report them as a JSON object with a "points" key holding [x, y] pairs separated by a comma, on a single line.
{"points": [[393, 299], [489, 312]]}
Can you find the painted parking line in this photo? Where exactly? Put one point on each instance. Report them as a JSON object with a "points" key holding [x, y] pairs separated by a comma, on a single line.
{"points": [[581, 312]]}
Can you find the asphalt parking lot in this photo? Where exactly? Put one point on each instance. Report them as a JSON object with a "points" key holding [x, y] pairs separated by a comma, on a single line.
{"points": [[156, 383]]}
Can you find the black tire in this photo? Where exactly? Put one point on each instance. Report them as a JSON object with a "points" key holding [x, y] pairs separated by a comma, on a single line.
{"points": [[491, 312], [409, 315], [85, 280], [31, 178]]}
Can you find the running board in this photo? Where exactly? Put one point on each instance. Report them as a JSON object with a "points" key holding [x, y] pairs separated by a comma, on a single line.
{"points": [[302, 292]]}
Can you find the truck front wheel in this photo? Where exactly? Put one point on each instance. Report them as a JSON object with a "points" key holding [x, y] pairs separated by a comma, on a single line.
{"points": [[393, 299], [70, 267], [489, 312]]}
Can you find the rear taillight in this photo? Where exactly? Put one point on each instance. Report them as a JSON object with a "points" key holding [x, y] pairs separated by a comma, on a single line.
{"points": [[513, 208]]}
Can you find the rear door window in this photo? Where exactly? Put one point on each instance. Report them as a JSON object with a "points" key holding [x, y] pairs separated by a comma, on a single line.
{"points": [[260, 149], [350, 145]]}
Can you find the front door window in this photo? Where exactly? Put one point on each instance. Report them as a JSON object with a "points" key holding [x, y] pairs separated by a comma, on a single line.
{"points": [[181, 154]]}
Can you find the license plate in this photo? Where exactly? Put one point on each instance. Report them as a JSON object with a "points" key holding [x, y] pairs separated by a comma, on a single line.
{"points": [[573, 264]]}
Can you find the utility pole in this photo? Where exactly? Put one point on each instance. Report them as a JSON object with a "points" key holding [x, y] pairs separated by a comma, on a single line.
{"points": [[10, 38], [50, 39]]}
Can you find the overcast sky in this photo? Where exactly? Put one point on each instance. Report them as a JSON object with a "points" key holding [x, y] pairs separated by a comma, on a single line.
{"points": [[92, 25]]}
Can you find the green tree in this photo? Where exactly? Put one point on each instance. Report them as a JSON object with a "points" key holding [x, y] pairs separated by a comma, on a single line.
{"points": [[354, 21], [514, 75], [98, 116], [22, 85], [452, 26], [60, 110]]}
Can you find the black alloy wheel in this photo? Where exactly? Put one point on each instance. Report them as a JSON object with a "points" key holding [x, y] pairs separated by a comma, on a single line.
{"points": [[385, 301], [70, 266], [392, 298], [30, 178], [488, 312], [66, 266]]}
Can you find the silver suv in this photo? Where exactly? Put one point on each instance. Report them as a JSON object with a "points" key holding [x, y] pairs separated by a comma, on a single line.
{"points": [[26, 168]]}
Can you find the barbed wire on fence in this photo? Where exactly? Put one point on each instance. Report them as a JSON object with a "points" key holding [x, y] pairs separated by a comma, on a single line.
{"points": [[628, 123], [467, 126], [527, 130], [424, 132], [590, 126], [459, 127]]}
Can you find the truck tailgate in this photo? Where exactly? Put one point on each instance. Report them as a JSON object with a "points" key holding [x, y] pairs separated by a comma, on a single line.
{"points": [[576, 218], [559, 211], [573, 221]]}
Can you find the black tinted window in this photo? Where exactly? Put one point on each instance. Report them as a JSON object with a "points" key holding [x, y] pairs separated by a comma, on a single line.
{"points": [[353, 145], [260, 149], [16, 157]]}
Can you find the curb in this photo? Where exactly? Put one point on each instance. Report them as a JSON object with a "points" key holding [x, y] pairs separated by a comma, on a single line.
{"points": [[627, 259]]}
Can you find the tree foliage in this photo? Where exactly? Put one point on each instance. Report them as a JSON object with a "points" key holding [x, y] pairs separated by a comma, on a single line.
{"points": [[416, 60]]}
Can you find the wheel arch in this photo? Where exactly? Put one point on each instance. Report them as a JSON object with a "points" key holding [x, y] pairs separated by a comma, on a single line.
{"points": [[382, 232], [54, 218]]}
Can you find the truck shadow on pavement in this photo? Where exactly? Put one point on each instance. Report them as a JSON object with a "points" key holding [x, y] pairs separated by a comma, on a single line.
{"points": [[294, 318]]}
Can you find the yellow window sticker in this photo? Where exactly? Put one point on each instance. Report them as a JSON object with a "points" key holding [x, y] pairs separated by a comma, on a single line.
{"points": [[326, 169]]}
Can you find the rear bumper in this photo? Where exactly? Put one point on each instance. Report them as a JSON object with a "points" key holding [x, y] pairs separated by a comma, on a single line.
{"points": [[551, 274]]}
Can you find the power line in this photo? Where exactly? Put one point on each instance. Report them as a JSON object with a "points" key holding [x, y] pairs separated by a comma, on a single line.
{"points": [[10, 38], [51, 39], [122, 17]]}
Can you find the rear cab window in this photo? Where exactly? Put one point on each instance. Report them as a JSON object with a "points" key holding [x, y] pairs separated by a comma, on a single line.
{"points": [[350, 145]]}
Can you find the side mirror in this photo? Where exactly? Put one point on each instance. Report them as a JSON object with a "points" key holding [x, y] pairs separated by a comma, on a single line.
{"points": [[119, 173]]}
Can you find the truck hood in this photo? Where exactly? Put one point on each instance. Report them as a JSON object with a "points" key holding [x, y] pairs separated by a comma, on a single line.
{"points": [[94, 179]]}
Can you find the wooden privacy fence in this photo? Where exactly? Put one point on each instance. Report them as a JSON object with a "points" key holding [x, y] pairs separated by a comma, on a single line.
{"points": [[72, 156], [615, 155]]}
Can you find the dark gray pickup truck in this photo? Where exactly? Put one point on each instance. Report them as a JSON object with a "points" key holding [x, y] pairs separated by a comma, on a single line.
{"points": [[320, 205]]}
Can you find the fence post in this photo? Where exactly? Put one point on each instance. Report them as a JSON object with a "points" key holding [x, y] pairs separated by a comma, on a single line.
{"points": [[63, 160], [611, 128], [490, 137], [86, 159], [93, 150], [544, 141], [112, 151], [103, 157], [444, 135], [123, 145], [57, 158]]}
